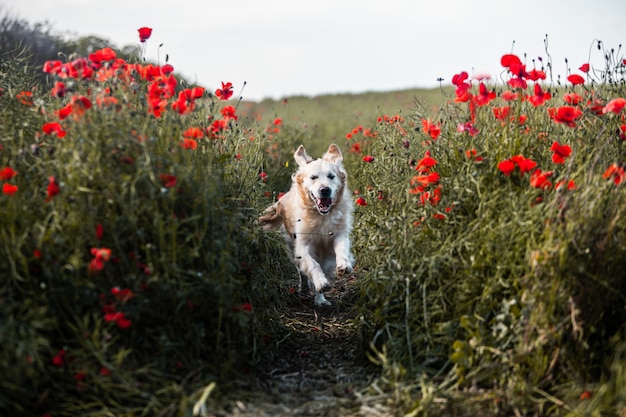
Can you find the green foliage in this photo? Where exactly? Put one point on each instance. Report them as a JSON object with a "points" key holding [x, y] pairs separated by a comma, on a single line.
{"points": [[178, 302]]}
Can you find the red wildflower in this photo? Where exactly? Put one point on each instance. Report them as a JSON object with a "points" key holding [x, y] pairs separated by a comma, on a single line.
{"points": [[572, 99], [560, 152], [368, 158], [622, 132], [467, 127], [584, 68], [100, 256], [425, 164], [188, 144], [54, 127], [462, 87], [25, 97], [506, 167], [144, 34], [361, 201], [484, 96], [167, 69], [99, 231], [576, 79], [473, 155], [565, 114], [263, 176], [524, 165], [569, 185], [9, 189], [7, 173], [508, 95], [501, 113], [431, 129], [64, 112], [614, 106], [229, 113], [509, 60], [217, 126], [539, 179], [122, 294], [425, 179], [58, 90], [168, 180], [518, 83], [59, 358], [225, 92], [539, 97], [53, 188], [193, 133], [535, 75], [52, 67], [614, 172], [102, 55]]}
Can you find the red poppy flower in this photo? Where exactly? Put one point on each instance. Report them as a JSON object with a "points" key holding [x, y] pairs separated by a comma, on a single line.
{"points": [[193, 133], [167, 69], [560, 152], [565, 184], [58, 90], [576, 79], [168, 180], [425, 179], [614, 106], [508, 95], [52, 67], [425, 164], [100, 256], [616, 173], [144, 34], [217, 126], [225, 92], [535, 75], [25, 97], [99, 231], [584, 68], [509, 60], [7, 173], [518, 83], [229, 112], [622, 132], [565, 114], [539, 179], [431, 129], [64, 112], [102, 55], [53, 188], [9, 189], [467, 127], [524, 164], [368, 158], [501, 113], [484, 96], [53, 127], [361, 201], [122, 294], [188, 144], [572, 99], [539, 97], [506, 167], [59, 358]]}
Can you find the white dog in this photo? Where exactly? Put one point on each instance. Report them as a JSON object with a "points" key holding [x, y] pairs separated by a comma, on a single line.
{"points": [[315, 216]]}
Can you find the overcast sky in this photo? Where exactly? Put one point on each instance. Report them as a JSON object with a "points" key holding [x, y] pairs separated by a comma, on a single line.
{"points": [[291, 47]]}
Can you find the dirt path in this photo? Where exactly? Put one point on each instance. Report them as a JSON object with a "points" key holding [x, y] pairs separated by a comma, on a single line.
{"points": [[318, 370]]}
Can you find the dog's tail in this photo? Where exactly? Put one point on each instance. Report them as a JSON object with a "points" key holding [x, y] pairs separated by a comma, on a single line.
{"points": [[272, 217]]}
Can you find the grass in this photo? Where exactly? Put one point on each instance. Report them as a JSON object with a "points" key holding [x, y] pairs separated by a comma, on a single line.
{"points": [[490, 272]]}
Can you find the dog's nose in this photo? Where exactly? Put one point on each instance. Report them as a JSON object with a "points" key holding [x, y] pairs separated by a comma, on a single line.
{"points": [[325, 192]]}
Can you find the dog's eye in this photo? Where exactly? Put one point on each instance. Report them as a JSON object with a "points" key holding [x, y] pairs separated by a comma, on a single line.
{"points": [[331, 176], [313, 177]]}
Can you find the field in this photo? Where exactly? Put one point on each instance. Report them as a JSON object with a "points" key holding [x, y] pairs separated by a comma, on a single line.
{"points": [[489, 234]]}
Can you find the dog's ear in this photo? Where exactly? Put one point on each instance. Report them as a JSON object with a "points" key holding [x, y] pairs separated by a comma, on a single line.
{"points": [[333, 154], [301, 157]]}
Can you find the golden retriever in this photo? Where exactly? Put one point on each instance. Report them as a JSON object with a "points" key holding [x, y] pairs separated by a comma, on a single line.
{"points": [[315, 216]]}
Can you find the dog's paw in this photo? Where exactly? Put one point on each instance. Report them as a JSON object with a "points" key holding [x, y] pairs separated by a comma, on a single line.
{"points": [[320, 282], [320, 300], [343, 269]]}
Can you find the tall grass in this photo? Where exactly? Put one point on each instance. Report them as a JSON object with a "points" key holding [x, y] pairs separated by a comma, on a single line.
{"points": [[135, 280]]}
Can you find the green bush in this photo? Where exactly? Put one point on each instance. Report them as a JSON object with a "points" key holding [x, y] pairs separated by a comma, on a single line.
{"points": [[130, 256], [506, 290]]}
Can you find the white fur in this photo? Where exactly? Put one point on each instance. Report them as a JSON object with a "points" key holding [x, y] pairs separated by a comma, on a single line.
{"points": [[315, 216]]}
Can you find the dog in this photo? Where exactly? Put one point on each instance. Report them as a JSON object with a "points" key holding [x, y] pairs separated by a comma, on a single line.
{"points": [[315, 217]]}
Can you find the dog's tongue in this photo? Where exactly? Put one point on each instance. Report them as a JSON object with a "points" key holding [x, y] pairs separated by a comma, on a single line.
{"points": [[324, 203]]}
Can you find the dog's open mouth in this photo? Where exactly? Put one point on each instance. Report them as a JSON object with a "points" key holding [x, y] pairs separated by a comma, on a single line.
{"points": [[323, 204]]}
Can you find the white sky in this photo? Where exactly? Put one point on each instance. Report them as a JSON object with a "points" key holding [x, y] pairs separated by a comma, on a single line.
{"points": [[292, 47]]}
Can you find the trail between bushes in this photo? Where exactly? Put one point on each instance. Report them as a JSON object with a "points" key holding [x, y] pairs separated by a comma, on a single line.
{"points": [[318, 370]]}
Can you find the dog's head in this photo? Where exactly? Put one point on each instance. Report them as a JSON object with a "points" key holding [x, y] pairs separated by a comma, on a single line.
{"points": [[321, 181]]}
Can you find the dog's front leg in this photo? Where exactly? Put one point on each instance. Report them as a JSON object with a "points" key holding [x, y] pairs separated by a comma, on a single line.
{"points": [[343, 256], [310, 268]]}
